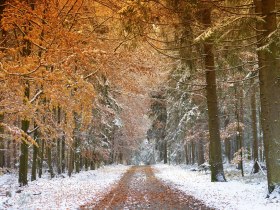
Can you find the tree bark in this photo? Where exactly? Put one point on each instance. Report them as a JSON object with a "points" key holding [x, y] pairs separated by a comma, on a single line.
{"points": [[201, 159], [35, 155], [2, 153], [270, 98], [217, 171], [254, 127], [41, 158], [49, 158]]}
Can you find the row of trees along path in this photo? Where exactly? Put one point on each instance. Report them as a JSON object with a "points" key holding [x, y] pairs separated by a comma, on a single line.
{"points": [[65, 67]]}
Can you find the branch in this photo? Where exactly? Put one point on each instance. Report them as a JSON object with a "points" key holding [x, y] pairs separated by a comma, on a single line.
{"points": [[36, 96]]}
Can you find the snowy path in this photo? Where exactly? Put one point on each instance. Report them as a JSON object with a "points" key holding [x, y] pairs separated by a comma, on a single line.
{"points": [[60, 193], [237, 193], [139, 189]]}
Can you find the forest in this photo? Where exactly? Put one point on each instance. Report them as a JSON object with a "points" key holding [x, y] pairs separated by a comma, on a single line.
{"points": [[87, 83]]}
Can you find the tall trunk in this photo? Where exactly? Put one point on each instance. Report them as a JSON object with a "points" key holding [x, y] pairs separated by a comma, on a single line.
{"points": [[58, 145], [228, 149], [270, 98], [165, 152], [35, 155], [71, 162], [41, 158], [23, 163], [200, 159], [2, 153], [193, 151], [254, 127], [239, 119], [217, 171], [49, 160], [63, 159], [186, 154]]}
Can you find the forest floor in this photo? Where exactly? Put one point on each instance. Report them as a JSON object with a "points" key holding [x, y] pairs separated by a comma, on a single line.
{"points": [[140, 189], [61, 192], [238, 193]]}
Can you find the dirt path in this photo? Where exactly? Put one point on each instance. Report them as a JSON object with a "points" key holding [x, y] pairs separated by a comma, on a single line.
{"points": [[140, 189]]}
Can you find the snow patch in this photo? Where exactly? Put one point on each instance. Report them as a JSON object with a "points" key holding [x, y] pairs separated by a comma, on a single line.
{"points": [[238, 193], [59, 193]]}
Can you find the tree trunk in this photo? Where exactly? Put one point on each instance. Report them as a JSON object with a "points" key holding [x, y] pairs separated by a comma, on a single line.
{"points": [[228, 149], [217, 171], [193, 151], [35, 154], [201, 159], [71, 162], [186, 154], [254, 127], [41, 158], [165, 152], [270, 98], [63, 159], [2, 153], [23, 163], [49, 157], [58, 144]]}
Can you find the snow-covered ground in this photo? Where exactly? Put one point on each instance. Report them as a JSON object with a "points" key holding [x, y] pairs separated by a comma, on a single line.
{"points": [[59, 193], [239, 193]]}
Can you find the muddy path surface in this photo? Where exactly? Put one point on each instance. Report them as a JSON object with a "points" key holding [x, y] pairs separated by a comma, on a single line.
{"points": [[140, 189]]}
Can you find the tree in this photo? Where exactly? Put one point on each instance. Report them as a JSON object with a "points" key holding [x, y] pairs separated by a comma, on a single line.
{"points": [[269, 87], [217, 172]]}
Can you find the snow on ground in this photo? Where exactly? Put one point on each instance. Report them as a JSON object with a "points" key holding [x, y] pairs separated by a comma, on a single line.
{"points": [[238, 193], [59, 193]]}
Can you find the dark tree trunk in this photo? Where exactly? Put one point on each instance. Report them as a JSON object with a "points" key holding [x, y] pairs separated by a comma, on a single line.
{"points": [[71, 162], [193, 152], [228, 149], [254, 127], [165, 152], [2, 153], [49, 158], [23, 163], [63, 159], [201, 159], [35, 155], [217, 171], [270, 98], [41, 158]]}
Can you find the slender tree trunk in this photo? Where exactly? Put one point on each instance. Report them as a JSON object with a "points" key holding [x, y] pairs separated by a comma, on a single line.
{"points": [[165, 152], [2, 153], [23, 164], [3, 43], [49, 158], [193, 152], [228, 149], [63, 159], [186, 154], [239, 119], [35, 155], [58, 145], [270, 98], [217, 171], [254, 126], [201, 159], [41, 158], [71, 162]]}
